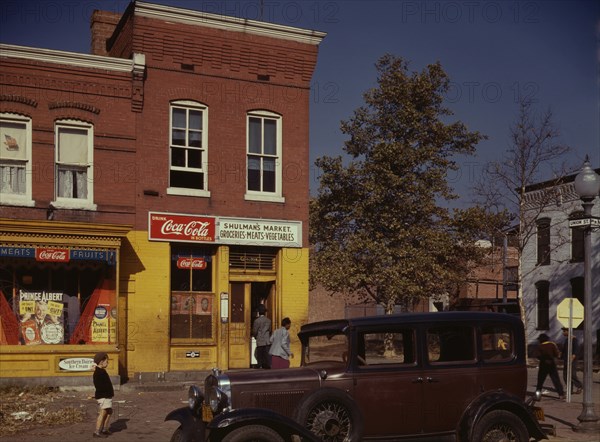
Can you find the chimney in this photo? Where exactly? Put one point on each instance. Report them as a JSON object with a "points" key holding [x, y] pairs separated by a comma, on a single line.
{"points": [[102, 26]]}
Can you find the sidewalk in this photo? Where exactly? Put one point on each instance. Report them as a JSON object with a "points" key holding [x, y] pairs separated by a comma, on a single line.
{"points": [[561, 414], [140, 409]]}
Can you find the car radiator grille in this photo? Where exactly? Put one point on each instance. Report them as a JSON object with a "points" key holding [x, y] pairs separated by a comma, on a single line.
{"points": [[283, 402]]}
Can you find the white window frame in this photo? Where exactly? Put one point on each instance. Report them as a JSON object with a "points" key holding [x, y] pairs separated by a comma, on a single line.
{"points": [[190, 105], [253, 195], [14, 199], [75, 203]]}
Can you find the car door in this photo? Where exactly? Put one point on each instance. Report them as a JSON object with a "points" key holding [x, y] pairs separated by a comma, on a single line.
{"points": [[450, 375], [388, 386]]}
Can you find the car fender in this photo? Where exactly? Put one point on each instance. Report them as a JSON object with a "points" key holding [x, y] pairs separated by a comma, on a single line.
{"points": [[497, 400], [193, 429], [285, 426]]}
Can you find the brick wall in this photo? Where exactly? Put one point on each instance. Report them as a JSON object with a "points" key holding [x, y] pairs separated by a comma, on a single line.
{"points": [[103, 24]]}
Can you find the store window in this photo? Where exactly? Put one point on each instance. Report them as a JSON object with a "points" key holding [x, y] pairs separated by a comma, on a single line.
{"points": [[74, 165], [188, 147], [15, 159], [193, 305], [56, 296], [264, 156]]}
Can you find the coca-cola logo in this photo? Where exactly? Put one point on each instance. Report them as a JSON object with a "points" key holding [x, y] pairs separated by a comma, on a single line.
{"points": [[52, 255], [181, 227], [192, 228], [191, 263]]}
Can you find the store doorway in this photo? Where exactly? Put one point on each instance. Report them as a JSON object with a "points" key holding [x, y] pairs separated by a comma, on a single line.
{"points": [[245, 299]]}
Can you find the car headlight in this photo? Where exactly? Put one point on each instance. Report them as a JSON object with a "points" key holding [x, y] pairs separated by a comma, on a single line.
{"points": [[195, 397], [217, 389]]}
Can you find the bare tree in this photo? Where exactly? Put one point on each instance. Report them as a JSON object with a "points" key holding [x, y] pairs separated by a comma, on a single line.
{"points": [[514, 184]]}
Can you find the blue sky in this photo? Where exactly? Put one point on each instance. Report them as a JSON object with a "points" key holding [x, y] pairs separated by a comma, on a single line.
{"points": [[493, 51]]}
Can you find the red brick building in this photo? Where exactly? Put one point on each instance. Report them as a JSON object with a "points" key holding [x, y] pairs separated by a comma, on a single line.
{"points": [[153, 193]]}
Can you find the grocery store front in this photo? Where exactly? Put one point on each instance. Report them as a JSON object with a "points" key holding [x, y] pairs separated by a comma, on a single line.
{"points": [[58, 300], [221, 270]]}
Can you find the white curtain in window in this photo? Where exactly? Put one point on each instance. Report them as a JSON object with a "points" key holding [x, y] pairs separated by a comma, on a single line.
{"points": [[12, 179], [65, 183], [81, 184]]}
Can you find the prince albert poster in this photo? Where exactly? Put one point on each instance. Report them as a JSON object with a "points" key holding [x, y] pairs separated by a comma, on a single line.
{"points": [[42, 317]]}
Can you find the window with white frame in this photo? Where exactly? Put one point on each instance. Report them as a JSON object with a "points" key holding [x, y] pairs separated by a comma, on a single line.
{"points": [[74, 164], [264, 156], [15, 159], [188, 149]]}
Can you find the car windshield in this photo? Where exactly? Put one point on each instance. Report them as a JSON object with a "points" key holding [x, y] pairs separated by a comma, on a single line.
{"points": [[331, 347]]}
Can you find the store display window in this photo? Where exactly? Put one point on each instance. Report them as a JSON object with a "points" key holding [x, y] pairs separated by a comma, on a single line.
{"points": [[52, 297], [193, 307]]}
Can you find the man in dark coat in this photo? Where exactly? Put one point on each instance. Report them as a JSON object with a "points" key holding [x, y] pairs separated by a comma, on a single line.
{"points": [[261, 330], [547, 354]]}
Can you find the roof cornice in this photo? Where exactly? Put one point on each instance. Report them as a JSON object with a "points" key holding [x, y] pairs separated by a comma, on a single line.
{"points": [[67, 58], [198, 18]]}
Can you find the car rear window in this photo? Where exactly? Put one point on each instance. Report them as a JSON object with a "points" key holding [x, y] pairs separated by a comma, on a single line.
{"points": [[497, 343], [451, 343]]}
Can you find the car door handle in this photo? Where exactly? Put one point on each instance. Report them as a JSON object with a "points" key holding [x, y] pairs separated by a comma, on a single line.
{"points": [[430, 380], [419, 380]]}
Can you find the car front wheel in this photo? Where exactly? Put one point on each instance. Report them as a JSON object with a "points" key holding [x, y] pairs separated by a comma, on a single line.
{"points": [[331, 415], [177, 435], [253, 433], [500, 426]]}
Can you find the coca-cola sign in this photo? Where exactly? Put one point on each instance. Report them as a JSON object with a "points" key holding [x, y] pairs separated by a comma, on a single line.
{"points": [[182, 228], [191, 263], [52, 255]]}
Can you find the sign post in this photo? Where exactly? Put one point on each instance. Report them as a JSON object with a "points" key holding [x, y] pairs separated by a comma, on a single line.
{"points": [[570, 314]]}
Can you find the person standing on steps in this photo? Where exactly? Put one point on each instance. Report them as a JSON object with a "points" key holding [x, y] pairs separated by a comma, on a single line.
{"points": [[261, 330], [280, 346]]}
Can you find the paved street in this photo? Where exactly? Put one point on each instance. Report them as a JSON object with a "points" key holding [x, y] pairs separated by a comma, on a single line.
{"points": [[139, 414]]}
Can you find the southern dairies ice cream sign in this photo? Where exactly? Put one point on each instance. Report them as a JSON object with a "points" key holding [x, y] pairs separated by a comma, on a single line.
{"points": [[42, 319]]}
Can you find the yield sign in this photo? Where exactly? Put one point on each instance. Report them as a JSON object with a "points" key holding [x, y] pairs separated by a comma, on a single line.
{"points": [[570, 307]]}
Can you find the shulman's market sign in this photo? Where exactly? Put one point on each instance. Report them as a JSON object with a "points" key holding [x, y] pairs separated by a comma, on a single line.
{"points": [[223, 230]]}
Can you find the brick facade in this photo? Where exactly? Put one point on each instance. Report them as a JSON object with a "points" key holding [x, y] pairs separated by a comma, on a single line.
{"points": [[142, 62]]}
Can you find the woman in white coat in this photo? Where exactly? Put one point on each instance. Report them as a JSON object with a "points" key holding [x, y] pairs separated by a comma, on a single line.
{"points": [[280, 346]]}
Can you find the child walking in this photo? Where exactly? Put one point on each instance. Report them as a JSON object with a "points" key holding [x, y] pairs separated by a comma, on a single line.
{"points": [[104, 395]]}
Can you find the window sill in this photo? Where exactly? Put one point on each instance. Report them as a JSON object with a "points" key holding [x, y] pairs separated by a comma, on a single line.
{"points": [[264, 197], [188, 192], [73, 204], [11, 200]]}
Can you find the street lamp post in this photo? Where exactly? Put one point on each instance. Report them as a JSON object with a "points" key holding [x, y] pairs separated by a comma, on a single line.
{"points": [[587, 186]]}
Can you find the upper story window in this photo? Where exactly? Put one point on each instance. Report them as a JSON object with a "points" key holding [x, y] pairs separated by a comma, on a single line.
{"points": [[577, 238], [543, 241], [264, 157], [74, 179], [188, 149], [543, 305], [15, 160]]}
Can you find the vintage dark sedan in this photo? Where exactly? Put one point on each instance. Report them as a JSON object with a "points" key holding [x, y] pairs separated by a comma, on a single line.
{"points": [[383, 377]]}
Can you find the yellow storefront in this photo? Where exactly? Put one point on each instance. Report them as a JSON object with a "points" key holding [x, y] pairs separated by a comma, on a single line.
{"points": [[193, 285], [156, 301]]}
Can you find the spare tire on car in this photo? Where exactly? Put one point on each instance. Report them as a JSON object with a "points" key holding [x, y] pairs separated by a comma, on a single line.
{"points": [[332, 415]]}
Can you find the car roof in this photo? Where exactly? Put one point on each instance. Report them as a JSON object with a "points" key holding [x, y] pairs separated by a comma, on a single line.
{"points": [[338, 325]]}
